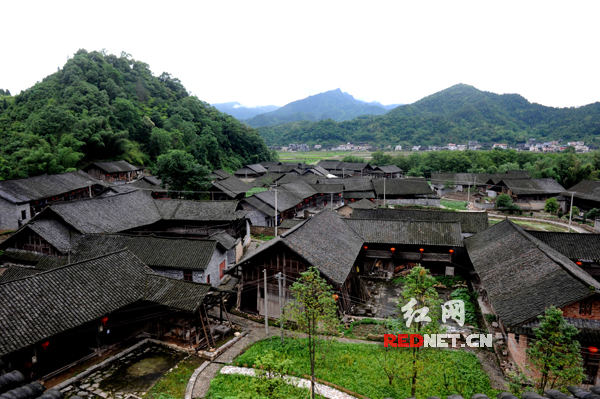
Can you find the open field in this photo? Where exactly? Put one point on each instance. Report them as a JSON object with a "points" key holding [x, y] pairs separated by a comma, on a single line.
{"points": [[312, 157], [357, 367]]}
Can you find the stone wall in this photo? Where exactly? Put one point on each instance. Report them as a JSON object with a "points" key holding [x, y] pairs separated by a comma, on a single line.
{"points": [[178, 274], [264, 231], [10, 214], [213, 268], [479, 205], [572, 310], [518, 350]]}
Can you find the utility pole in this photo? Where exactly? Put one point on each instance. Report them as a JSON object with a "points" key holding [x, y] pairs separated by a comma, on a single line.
{"points": [[266, 308], [90, 188], [275, 211], [384, 192], [343, 172], [331, 201], [280, 307], [571, 212]]}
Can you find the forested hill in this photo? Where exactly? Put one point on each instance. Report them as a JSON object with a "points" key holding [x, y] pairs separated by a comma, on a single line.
{"points": [[240, 111], [333, 104], [104, 107], [454, 115]]}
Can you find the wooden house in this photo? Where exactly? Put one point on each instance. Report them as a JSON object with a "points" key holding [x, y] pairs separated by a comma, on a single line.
{"points": [[75, 310], [387, 171], [117, 171], [586, 195], [22, 199], [347, 209], [250, 171], [405, 192], [470, 222], [230, 188], [346, 169], [528, 193], [522, 276]]}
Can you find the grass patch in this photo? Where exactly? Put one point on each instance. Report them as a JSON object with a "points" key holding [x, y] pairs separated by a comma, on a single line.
{"points": [[173, 384], [262, 237], [456, 205], [356, 367], [255, 190], [351, 333], [233, 386]]}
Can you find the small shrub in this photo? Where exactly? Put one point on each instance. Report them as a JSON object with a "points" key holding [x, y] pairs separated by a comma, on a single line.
{"points": [[560, 215], [490, 317]]}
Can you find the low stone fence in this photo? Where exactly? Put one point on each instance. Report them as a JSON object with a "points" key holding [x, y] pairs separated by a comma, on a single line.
{"points": [[416, 201]]}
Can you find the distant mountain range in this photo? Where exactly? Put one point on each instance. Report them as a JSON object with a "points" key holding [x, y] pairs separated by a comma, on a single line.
{"points": [[454, 115], [333, 104], [241, 112]]}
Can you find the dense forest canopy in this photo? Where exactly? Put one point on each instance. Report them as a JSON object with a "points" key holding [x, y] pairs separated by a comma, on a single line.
{"points": [[456, 115], [104, 107]]}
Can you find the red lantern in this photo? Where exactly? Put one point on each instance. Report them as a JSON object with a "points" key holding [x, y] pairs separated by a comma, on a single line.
{"points": [[104, 320], [340, 195], [451, 251], [421, 250], [45, 344], [335, 297], [593, 349], [393, 249], [578, 263], [365, 247]]}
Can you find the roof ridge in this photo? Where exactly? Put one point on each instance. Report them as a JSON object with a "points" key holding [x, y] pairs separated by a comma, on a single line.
{"points": [[406, 220], [74, 264], [147, 236]]}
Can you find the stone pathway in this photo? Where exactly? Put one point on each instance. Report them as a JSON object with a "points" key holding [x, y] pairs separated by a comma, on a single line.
{"points": [[256, 332], [320, 389]]}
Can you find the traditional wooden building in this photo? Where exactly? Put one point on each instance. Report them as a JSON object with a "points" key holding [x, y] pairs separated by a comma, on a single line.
{"points": [[346, 169], [117, 171], [586, 195], [413, 191], [470, 222], [250, 171], [347, 209], [323, 241], [230, 188], [55, 318], [388, 171], [261, 207], [22, 199], [528, 193], [522, 276]]}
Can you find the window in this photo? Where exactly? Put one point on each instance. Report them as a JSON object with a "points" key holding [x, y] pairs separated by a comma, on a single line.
{"points": [[585, 307], [188, 276], [208, 279], [23, 215]]}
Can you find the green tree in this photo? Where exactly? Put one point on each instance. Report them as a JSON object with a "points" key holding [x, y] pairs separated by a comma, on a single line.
{"points": [[381, 159], [314, 311], [503, 201], [551, 205], [555, 352], [575, 211], [353, 159], [180, 172]]}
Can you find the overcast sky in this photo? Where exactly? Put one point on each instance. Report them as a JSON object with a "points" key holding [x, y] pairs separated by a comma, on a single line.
{"points": [[275, 52]]}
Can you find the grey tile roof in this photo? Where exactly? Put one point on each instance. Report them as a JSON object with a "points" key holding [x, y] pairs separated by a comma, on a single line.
{"points": [[35, 308], [293, 177], [177, 294], [363, 204], [389, 169], [16, 272], [324, 241], [589, 330], [573, 246], [221, 174], [44, 186], [586, 189], [510, 175], [266, 180], [20, 256], [533, 186], [522, 275], [289, 223], [328, 188], [328, 165], [258, 168], [327, 243], [471, 222], [198, 210], [55, 232], [109, 214], [407, 232], [461, 178], [267, 165], [115, 167], [285, 168], [259, 205], [232, 186], [319, 170], [154, 180], [285, 199], [224, 239], [156, 252], [300, 188], [402, 187], [353, 166]]}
